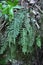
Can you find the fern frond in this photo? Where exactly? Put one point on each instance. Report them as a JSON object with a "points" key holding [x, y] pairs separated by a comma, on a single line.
{"points": [[3, 48], [14, 27], [24, 40], [31, 32], [38, 41]]}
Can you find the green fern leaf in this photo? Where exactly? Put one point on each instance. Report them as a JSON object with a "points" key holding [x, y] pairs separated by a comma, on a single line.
{"points": [[24, 40], [38, 41], [3, 48], [14, 28], [31, 33]]}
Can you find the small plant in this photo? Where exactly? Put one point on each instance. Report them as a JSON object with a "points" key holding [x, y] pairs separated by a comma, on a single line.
{"points": [[20, 32], [7, 8]]}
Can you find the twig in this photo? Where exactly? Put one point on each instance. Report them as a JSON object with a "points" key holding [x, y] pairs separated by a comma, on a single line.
{"points": [[2, 25], [39, 8]]}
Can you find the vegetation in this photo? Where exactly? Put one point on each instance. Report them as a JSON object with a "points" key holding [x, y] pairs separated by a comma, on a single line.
{"points": [[20, 33]]}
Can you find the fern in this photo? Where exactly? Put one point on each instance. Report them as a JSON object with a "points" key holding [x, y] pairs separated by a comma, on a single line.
{"points": [[19, 32], [12, 31], [31, 31], [14, 27], [4, 43], [38, 41], [24, 40], [3, 48]]}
